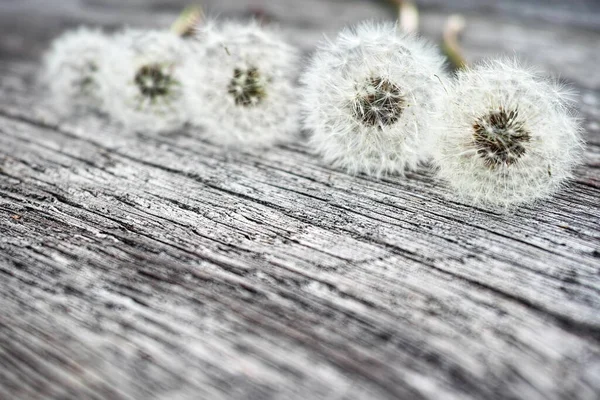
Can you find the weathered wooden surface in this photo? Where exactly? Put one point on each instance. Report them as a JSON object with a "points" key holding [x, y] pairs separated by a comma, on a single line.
{"points": [[139, 266]]}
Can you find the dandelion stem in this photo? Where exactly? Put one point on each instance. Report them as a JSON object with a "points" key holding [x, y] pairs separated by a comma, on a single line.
{"points": [[189, 18], [451, 43], [408, 15]]}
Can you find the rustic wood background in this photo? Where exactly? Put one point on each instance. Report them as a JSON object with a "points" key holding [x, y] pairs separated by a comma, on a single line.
{"points": [[159, 267]]}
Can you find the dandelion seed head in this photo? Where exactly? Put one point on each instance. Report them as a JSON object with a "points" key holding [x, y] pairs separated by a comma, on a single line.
{"points": [[367, 98], [141, 80], [506, 135], [70, 68], [251, 98]]}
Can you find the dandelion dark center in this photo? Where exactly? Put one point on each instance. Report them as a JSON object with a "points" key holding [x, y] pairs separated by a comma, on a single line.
{"points": [[153, 81], [247, 87], [88, 71], [379, 103], [500, 138]]}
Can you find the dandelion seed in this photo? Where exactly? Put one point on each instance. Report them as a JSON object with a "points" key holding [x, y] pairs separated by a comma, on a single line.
{"points": [[508, 136], [368, 99], [141, 80], [243, 89], [70, 69]]}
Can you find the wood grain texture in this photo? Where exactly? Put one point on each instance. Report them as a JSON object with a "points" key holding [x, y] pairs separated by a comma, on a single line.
{"points": [[161, 267]]}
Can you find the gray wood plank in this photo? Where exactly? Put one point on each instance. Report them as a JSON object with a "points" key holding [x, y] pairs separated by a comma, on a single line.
{"points": [[159, 266]]}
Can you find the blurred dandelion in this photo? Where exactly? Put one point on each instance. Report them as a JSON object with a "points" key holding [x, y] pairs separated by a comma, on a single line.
{"points": [[243, 91], [141, 81], [70, 69]]}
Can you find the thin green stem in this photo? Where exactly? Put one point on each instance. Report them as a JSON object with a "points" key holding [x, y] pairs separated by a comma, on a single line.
{"points": [[451, 43], [408, 15], [187, 21]]}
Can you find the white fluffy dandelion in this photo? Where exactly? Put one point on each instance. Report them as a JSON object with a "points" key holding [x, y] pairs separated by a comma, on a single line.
{"points": [[508, 136], [141, 80], [242, 90], [71, 67], [368, 98]]}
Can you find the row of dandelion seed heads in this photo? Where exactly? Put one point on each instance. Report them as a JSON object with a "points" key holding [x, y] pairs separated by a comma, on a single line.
{"points": [[145, 78], [375, 100]]}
